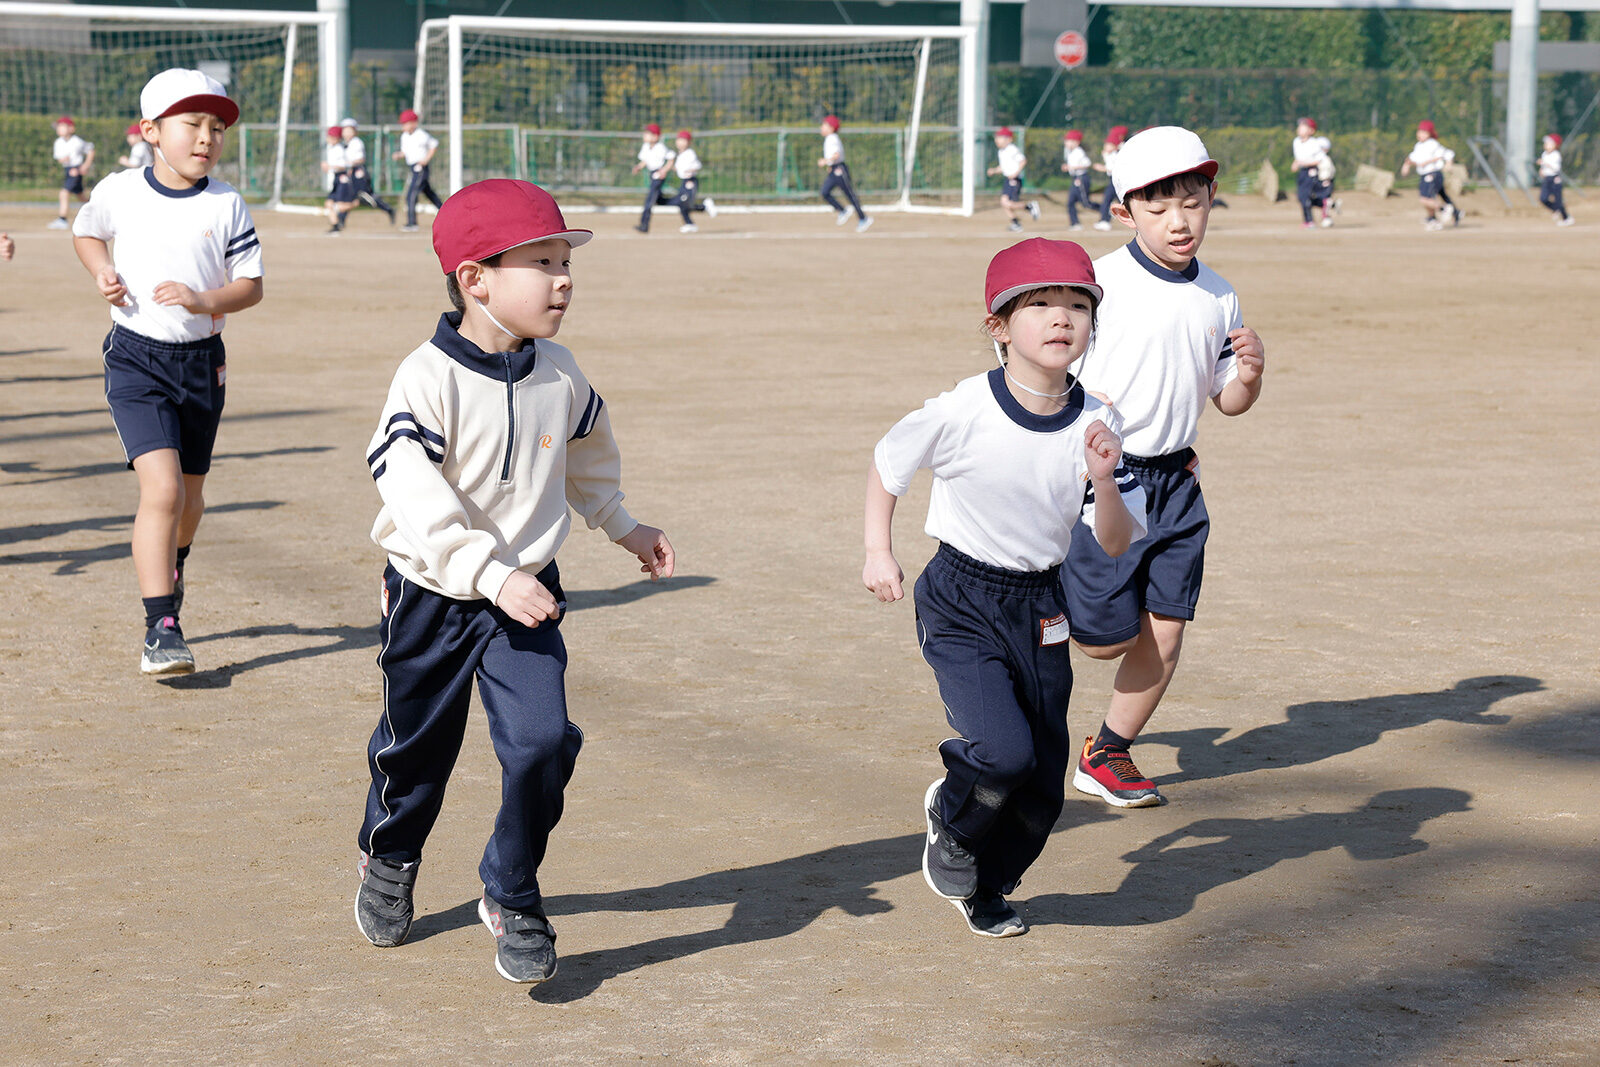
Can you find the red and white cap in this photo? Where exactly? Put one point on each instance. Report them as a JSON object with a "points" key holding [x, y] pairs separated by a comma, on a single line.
{"points": [[1556, 137], [1116, 135], [1036, 263], [1310, 123], [134, 131], [687, 135], [349, 124], [1426, 125], [654, 128], [831, 121], [1157, 153], [489, 217], [1072, 135], [408, 116], [64, 120], [177, 91], [1004, 131]]}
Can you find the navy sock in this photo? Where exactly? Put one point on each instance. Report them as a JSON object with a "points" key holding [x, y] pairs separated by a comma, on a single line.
{"points": [[183, 554], [1109, 738], [157, 608]]}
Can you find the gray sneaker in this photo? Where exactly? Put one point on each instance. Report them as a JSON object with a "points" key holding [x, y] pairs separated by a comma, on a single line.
{"points": [[989, 915], [383, 903], [948, 868], [165, 651], [524, 941]]}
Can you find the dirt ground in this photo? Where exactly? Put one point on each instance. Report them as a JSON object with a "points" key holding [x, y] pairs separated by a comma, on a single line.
{"points": [[1380, 749]]}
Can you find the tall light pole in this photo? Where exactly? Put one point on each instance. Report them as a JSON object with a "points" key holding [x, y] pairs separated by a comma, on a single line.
{"points": [[1522, 92]]}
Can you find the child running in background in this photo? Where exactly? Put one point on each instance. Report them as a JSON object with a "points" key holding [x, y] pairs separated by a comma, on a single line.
{"points": [[655, 159], [341, 195], [140, 154], [1007, 450], [355, 157], [185, 257], [1430, 158], [417, 147], [490, 438], [1010, 165], [1108, 153], [1171, 336], [1077, 164], [1311, 163], [76, 157], [687, 164], [838, 176], [1550, 180]]}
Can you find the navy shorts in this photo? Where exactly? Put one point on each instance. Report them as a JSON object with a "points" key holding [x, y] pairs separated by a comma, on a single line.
{"points": [[344, 189], [166, 395], [1012, 189], [1430, 185], [72, 183], [1159, 573]]}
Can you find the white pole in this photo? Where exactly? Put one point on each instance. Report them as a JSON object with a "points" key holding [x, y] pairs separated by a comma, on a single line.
{"points": [[283, 116], [916, 120], [334, 56], [454, 34], [1522, 92], [974, 85]]}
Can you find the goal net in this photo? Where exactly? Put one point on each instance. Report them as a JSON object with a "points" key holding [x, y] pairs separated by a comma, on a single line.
{"points": [[562, 103], [90, 62]]}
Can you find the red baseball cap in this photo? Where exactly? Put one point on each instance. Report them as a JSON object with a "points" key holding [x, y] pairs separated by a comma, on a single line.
{"points": [[335, 131], [1116, 135], [64, 118], [1036, 263], [831, 120], [1426, 124], [489, 217], [1004, 131], [1072, 135], [653, 128], [1307, 122], [1556, 137], [134, 130], [686, 135], [408, 116]]}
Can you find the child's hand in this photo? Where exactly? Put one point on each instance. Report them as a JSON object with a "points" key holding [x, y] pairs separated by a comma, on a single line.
{"points": [[8, 247], [652, 548], [1249, 354], [882, 575], [168, 294], [110, 285], [1102, 450], [525, 599]]}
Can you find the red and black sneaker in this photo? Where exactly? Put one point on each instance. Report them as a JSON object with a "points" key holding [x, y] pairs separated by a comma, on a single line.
{"points": [[1109, 773]]}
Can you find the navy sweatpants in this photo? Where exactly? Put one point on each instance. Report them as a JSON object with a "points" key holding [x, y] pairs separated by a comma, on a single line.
{"points": [[1078, 194], [1550, 195], [1310, 191], [838, 177], [684, 199], [653, 197], [419, 186], [997, 642], [431, 647]]}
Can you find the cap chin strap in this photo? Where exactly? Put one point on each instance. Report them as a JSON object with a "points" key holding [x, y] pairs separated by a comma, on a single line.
{"points": [[1000, 358], [497, 323]]}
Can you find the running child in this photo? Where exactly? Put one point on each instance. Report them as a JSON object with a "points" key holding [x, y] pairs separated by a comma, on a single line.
{"points": [[687, 164], [1171, 335], [140, 155], [1313, 171], [1430, 158], [489, 435], [355, 157], [417, 147], [183, 256], [341, 194], [1108, 153], [1010, 165], [838, 176], [1077, 164], [76, 157], [1007, 449], [655, 158], [1550, 180]]}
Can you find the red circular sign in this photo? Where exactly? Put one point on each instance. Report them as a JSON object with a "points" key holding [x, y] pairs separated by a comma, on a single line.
{"points": [[1072, 48]]}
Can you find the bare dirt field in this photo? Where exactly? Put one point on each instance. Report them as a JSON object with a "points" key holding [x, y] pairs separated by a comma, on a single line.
{"points": [[1380, 749]]}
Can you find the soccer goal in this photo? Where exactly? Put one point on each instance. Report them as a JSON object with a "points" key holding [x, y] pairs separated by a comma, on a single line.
{"points": [[90, 62], [562, 102]]}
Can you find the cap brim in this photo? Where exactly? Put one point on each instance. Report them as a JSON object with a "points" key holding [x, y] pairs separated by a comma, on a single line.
{"points": [[1208, 168], [575, 238], [1001, 297], [209, 103]]}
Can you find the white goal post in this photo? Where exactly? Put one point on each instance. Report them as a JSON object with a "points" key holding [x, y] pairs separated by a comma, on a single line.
{"points": [[91, 61], [562, 102]]}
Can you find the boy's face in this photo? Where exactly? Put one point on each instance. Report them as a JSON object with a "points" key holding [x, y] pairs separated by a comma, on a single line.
{"points": [[1171, 228], [1549, 144], [63, 129], [1423, 135], [530, 290], [681, 142], [1302, 130], [651, 138], [190, 143], [1074, 142], [409, 126], [1000, 141], [346, 132]]}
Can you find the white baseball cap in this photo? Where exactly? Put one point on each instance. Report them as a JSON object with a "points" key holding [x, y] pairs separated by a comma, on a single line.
{"points": [[350, 123], [1159, 152], [177, 90]]}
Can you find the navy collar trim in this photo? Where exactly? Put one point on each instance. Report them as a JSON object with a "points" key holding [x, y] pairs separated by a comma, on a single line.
{"points": [[519, 363], [1027, 419], [1166, 274], [177, 194]]}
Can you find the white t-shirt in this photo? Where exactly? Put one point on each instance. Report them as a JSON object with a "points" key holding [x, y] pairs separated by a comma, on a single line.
{"points": [[72, 151], [415, 146], [1430, 157], [1161, 348], [833, 148], [1008, 485], [140, 155], [1012, 161], [687, 163], [355, 151], [338, 159], [1550, 163], [1077, 160], [202, 237], [654, 156], [1311, 149]]}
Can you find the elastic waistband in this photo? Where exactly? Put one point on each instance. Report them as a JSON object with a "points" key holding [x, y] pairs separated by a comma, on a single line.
{"points": [[177, 348], [995, 579], [1172, 461]]}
